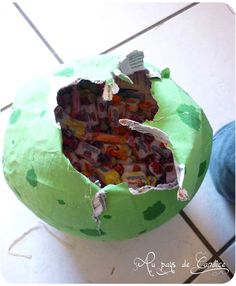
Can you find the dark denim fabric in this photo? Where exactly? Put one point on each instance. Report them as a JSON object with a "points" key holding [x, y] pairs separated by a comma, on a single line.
{"points": [[222, 164]]}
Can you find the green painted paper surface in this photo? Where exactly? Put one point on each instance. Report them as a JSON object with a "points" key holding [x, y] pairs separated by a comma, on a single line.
{"points": [[44, 180]]}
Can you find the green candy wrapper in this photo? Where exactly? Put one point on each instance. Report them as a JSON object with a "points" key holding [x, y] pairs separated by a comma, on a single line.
{"points": [[41, 176]]}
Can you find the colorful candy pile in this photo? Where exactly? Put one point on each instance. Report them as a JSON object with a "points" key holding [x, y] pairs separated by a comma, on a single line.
{"points": [[102, 149]]}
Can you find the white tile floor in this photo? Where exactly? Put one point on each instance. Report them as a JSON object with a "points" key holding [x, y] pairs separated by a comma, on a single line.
{"points": [[199, 49], [229, 257], [79, 31], [22, 54], [213, 278]]}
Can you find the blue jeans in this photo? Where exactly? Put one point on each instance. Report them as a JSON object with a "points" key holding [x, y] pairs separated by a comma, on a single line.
{"points": [[222, 164]]}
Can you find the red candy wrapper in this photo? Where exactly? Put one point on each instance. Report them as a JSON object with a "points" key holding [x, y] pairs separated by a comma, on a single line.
{"points": [[88, 152], [115, 112], [134, 167], [134, 179], [102, 108], [75, 161], [119, 151], [75, 102], [170, 172], [155, 169]]}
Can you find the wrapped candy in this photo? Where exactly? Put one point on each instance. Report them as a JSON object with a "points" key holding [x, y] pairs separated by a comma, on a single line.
{"points": [[155, 169], [119, 151], [93, 117], [87, 97], [75, 102], [77, 127], [106, 138], [132, 105], [134, 167], [75, 161], [88, 151], [102, 108], [170, 172], [142, 149], [160, 149], [88, 113], [151, 181], [134, 179], [108, 176], [116, 111]]}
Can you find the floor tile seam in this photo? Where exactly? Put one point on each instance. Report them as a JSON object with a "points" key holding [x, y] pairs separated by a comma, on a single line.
{"points": [[4, 108], [198, 233], [153, 26], [39, 34], [191, 278]]}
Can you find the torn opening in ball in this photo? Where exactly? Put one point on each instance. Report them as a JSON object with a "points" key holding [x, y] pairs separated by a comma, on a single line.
{"points": [[104, 137]]}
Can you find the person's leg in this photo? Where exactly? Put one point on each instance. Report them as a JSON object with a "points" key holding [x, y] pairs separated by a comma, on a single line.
{"points": [[222, 164]]}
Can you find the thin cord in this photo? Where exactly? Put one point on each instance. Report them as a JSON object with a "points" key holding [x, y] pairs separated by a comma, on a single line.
{"points": [[39, 225]]}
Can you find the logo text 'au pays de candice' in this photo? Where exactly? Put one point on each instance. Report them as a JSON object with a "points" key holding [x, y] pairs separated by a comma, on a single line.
{"points": [[156, 267]]}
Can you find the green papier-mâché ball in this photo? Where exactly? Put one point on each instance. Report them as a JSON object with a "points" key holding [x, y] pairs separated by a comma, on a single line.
{"points": [[44, 180]]}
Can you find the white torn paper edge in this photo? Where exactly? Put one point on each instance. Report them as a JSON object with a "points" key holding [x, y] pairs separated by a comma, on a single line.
{"points": [[154, 74], [133, 62], [98, 204], [182, 193], [122, 76], [109, 90], [160, 187]]}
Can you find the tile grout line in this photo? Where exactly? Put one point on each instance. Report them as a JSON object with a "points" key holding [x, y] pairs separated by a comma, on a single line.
{"points": [[39, 34], [5, 107], [215, 254], [187, 219], [226, 246], [197, 232], [36, 30], [160, 22], [201, 271]]}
